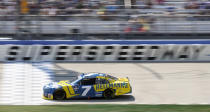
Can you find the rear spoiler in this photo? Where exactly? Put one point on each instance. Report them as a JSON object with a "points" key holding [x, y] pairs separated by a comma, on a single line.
{"points": [[128, 78]]}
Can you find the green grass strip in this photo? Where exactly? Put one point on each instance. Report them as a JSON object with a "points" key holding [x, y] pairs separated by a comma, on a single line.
{"points": [[107, 108]]}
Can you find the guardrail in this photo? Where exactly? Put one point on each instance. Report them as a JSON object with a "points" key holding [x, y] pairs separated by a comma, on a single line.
{"points": [[103, 27], [32, 25]]}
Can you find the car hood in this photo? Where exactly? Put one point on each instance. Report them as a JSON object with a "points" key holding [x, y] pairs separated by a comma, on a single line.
{"points": [[52, 85], [64, 82]]}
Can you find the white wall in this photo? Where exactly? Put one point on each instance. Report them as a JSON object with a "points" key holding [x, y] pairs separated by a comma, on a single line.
{"points": [[95, 53]]}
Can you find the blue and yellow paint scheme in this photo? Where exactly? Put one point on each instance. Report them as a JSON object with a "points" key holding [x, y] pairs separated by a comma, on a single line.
{"points": [[77, 89]]}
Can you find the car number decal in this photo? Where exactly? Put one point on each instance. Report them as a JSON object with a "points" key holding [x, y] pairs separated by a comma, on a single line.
{"points": [[87, 89]]}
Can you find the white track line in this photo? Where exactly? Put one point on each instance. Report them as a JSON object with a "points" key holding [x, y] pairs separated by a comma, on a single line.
{"points": [[22, 83]]}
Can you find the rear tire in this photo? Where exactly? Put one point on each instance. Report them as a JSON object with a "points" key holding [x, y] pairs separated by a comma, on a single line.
{"points": [[59, 95], [109, 94]]}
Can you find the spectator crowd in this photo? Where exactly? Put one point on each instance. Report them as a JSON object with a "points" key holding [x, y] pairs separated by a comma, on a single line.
{"points": [[101, 7]]}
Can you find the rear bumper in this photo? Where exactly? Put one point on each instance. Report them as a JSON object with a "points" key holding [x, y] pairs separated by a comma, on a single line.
{"points": [[130, 90]]}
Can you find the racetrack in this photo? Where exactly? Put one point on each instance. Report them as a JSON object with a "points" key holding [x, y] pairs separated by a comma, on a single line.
{"points": [[152, 83]]}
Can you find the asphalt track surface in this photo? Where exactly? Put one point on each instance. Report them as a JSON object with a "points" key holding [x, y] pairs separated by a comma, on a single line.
{"points": [[152, 83]]}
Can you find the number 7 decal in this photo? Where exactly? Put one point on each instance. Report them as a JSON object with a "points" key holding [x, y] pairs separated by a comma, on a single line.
{"points": [[87, 89]]}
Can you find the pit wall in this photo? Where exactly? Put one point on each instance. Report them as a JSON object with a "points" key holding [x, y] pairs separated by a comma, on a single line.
{"points": [[105, 51]]}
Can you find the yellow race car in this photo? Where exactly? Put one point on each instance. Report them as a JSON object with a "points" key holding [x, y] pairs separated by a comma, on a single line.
{"points": [[87, 86]]}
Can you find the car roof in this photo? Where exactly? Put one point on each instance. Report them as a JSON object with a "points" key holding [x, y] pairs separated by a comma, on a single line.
{"points": [[93, 75]]}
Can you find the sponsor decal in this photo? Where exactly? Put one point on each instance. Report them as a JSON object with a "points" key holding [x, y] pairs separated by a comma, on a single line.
{"points": [[112, 85]]}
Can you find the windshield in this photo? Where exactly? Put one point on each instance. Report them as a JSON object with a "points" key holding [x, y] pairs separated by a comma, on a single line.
{"points": [[76, 81]]}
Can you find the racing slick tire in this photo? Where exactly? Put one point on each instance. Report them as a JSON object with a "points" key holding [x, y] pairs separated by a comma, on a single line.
{"points": [[59, 95], [109, 94]]}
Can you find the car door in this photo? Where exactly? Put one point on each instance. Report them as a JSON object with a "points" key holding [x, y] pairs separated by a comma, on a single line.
{"points": [[101, 85], [86, 88]]}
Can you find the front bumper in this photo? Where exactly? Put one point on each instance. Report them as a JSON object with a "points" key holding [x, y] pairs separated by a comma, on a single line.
{"points": [[48, 93], [49, 97]]}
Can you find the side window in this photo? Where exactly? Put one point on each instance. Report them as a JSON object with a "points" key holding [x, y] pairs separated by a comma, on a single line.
{"points": [[88, 81], [102, 81]]}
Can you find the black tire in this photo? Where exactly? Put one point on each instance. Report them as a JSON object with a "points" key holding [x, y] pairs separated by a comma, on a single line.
{"points": [[59, 95], [109, 94]]}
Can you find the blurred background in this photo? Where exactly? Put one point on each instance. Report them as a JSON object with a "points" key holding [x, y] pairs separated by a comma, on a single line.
{"points": [[104, 19]]}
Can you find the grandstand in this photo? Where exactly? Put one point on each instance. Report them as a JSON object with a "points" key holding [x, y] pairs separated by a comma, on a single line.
{"points": [[107, 19]]}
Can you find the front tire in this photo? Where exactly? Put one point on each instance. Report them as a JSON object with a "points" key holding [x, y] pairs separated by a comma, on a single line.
{"points": [[59, 95], [109, 94]]}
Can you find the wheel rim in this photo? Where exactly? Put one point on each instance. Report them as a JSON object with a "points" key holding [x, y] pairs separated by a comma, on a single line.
{"points": [[59, 95], [108, 94]]}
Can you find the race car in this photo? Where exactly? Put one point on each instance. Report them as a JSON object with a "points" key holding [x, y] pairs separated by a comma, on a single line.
{"points": [[87, 86]]}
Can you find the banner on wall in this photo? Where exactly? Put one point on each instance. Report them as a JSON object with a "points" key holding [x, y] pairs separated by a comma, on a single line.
{"points": [[104, 51]]}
